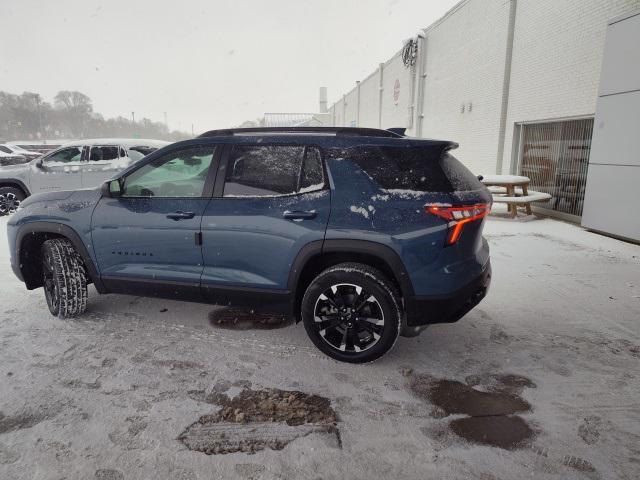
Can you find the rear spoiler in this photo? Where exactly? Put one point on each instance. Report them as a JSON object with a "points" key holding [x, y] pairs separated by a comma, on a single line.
{"points": [[398, 131], [445, 144], [442, 145]]}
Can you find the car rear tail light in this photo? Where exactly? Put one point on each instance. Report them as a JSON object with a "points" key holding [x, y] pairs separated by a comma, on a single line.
{"points": [[458, 216]]}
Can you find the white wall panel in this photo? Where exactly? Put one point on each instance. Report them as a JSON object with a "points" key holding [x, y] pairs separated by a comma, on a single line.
{"points": [[611, 203], [621, 64], [616, 136]]}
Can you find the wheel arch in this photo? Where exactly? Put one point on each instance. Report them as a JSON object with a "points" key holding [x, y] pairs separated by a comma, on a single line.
{"points": [[14, 182], [29, 240], [317, 256]]}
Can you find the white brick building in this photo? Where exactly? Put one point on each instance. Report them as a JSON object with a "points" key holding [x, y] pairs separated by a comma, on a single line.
{"points": [[515, 82]]}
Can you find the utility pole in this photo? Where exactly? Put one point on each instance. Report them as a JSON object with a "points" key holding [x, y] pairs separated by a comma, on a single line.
{"points": [[133, 117], [192, 134], [37, 99]]}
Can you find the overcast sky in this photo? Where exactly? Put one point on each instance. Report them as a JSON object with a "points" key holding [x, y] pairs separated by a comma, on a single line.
{"points": [[213, 63]]}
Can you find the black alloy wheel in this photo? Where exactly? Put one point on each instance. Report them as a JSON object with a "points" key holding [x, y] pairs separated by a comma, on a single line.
{"points": [[10, 199], [349, 318], [352, 313]]}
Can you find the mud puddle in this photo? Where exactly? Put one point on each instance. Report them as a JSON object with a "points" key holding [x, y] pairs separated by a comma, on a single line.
{"points": [[490, 404], [258, 419], [241, 319], [501, 431]]}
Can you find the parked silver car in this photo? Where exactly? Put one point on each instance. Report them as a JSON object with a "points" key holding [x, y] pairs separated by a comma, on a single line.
{"points": [[75, 165], [11, 149], [11, 159]]}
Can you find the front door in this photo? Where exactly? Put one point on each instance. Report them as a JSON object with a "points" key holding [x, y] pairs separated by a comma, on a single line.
{"points": [[148, 239], [60, 170], [270, 202]]}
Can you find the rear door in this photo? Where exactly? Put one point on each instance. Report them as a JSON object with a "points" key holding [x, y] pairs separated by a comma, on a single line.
{"points": [[103, 163], [269, 202], [148, 240], [60, 170]]}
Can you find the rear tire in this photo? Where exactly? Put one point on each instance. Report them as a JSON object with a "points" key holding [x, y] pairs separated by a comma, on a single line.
{"points": [[64, 278], [351, 312], [10, 198]]}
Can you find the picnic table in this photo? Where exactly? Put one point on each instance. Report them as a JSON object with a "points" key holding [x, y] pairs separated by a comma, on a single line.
{"points": [[503, 189]]}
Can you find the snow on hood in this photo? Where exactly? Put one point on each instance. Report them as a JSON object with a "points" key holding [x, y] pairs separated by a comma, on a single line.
{"points": [[76, 195], [46, 197]]}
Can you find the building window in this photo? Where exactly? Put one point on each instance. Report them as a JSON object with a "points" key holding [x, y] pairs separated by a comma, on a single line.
{"points": [[555, 156]]}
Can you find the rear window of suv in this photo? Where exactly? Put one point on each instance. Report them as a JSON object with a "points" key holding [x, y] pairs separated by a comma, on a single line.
{"points": [[421, 169]]}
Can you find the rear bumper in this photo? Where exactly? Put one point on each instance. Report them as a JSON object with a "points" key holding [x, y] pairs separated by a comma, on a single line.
{"points": [[426, 310]]}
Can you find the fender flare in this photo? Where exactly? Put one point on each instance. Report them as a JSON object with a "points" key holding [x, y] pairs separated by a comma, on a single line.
{"points": [[19, 183], [305, 254], [69, 233], [379, 250]]}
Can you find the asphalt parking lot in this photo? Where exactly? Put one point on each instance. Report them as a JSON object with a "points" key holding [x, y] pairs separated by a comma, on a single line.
{"points": [[540, 381]]}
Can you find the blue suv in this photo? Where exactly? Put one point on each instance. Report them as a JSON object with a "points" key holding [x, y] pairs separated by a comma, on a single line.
{"points": [[361, 234]]}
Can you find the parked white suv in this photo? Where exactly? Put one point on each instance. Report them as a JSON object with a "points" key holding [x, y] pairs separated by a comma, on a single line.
{"points": [[75, 165]]}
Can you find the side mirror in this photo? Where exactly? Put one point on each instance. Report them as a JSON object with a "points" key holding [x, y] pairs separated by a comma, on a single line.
{"points": [[38, 164], [112, 189]]}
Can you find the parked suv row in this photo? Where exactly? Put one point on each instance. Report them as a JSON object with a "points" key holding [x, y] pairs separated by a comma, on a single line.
{"points": [[18, 151], [360, 233], [15, 155], [82, 164]]}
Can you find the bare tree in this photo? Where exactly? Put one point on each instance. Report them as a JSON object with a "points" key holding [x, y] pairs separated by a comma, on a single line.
{"points": [[28, 116]]}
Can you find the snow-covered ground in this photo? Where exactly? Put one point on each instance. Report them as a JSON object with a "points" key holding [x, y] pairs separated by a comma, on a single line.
{"points": [[107, 395]]}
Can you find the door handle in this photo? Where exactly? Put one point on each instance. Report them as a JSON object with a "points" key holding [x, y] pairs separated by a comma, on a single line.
{"points": [[300, 214], [179, 215]]}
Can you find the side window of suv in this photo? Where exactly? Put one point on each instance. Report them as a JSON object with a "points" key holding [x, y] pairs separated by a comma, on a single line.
{"points": [[177, 174], [103, 153], [312, 177], [66, 155], [271, 171]]}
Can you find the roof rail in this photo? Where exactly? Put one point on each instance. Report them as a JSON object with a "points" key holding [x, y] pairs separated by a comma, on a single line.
{"points": [[338, 131]]}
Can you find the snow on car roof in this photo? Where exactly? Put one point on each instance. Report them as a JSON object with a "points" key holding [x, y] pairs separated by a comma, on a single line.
{"points": [[3, 154], [125, 142]]}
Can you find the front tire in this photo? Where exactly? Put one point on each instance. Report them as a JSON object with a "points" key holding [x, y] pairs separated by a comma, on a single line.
{"points": [[10, 199], [351, 313], [64, 278]]}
